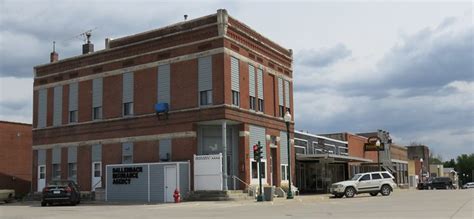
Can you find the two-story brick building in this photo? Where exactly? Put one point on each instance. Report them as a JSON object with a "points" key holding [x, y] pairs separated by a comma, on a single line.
{"points": [[226, 86]]}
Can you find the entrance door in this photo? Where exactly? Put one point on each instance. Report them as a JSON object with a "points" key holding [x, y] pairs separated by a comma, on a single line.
{"points": [[41, 177], [273, 166], [170, 182], [96, 175]]}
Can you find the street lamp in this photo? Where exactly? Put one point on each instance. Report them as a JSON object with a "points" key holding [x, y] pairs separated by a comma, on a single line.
{"points": [[377, 144], [421, 169], [287, 119]]}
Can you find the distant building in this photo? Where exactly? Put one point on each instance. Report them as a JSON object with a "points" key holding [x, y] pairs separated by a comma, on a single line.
{"points": [[15, 157], [321, 161]]}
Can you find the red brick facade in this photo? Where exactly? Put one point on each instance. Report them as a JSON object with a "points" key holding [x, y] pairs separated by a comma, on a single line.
{"points": [[207, 36], [15, 157]]}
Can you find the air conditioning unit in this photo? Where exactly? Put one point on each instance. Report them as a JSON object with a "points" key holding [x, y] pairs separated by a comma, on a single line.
{"points": [[161, 109]]}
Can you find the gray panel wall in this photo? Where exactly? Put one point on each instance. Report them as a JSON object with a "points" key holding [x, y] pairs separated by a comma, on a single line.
{"points": [[97, 90], [165, 148], [137, 190], [96, 152], [283, 148], [205, 73], [127, 87], [287, 94], [41, 156], [73, 92], [157, 179], [183, 179], [72, 154], [56, 159], [58, 105], [235, 74], [164, 84], [257, 134], [42, 107], [280, 91], [251, 81], [260, 83]]}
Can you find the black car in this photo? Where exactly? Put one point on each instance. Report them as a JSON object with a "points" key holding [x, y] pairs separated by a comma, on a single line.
{"points": [[440, 183], [61, 191], [424, 185]]}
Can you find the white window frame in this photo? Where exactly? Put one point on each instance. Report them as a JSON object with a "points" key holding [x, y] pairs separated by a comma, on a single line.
{"points": [[255, 180], [286, 173]]}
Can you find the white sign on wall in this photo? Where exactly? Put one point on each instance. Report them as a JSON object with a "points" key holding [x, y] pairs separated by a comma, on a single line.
{"points": [[208, 172]]}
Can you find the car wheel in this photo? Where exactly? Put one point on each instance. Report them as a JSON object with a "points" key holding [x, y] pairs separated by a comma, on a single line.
{"points": [[43, 204], [338, 195], [374, 193], [447, 187], [429, 188], [350, 192], [385, 191]]}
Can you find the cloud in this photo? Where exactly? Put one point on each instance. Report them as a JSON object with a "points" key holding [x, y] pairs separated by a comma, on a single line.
{"points": [[16, 99], [421, 90], [323, 57]]}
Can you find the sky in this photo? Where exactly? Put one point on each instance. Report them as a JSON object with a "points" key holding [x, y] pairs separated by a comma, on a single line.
{"points": [[359, 66]]}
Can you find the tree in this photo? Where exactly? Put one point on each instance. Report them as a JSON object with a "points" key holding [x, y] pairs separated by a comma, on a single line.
{"points": [[450, 164], [435, 159], [465, 167]]}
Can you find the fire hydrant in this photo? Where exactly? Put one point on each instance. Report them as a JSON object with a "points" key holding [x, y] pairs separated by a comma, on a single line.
{"points": [[176, 196]]}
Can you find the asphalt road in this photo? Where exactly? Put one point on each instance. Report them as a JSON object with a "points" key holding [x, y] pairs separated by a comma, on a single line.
{"points": [[400, 204]]}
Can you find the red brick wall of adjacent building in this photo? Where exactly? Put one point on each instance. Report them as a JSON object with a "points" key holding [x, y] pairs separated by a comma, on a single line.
{"points": [[15, 157], [356, 147]]}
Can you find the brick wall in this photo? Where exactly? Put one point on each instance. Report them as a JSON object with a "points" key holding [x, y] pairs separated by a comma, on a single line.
{"points": [[15, 156]]}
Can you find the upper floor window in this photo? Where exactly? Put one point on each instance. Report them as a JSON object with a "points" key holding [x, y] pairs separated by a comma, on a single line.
{"points": [[260, 105], [252, 103], [205, 97], [97, 113], [235, 98], [128, 109], [73, 116]]}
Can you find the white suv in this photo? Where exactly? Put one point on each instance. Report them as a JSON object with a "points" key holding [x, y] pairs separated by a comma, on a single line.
{"points": [[372, 182]]}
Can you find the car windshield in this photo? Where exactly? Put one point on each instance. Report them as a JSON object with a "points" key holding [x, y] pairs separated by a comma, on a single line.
{"points": [[356, 177]]}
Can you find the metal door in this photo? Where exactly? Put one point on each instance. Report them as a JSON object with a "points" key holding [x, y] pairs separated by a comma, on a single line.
{"points": [[41, 177], [96, 175], [170, 182]]}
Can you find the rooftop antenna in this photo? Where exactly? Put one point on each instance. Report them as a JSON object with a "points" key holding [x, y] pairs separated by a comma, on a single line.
{"points": [[86, 35], [185, 17]]}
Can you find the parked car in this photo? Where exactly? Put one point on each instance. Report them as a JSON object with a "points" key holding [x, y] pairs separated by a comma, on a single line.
{"points": [[424, 185], [469, 185], [440, 183], [7, 195], [61, 191], [372, 182]]}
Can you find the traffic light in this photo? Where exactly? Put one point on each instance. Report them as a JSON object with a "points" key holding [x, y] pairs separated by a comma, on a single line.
{"points": [[256, 154]]}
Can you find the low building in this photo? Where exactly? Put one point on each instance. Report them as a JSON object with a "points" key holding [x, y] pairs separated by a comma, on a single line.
{"points": [[15, 157], [321, 161], [399, 158]]}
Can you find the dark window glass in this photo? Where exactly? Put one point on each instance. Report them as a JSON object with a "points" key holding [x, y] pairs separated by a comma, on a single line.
{"points": [[252, 103], [365, 177], [73, 116], [260, 105], [386, 176], [128, 109], [376, 176], [281, 110], [205, 97], [235, 98], [254, 170], [97, 113]]}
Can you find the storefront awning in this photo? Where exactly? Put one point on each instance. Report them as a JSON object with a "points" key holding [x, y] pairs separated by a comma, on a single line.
{"points": [[334, 157]]}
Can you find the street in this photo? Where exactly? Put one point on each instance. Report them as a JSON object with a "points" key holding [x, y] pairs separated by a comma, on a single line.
{"points": [[400, 204]]}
